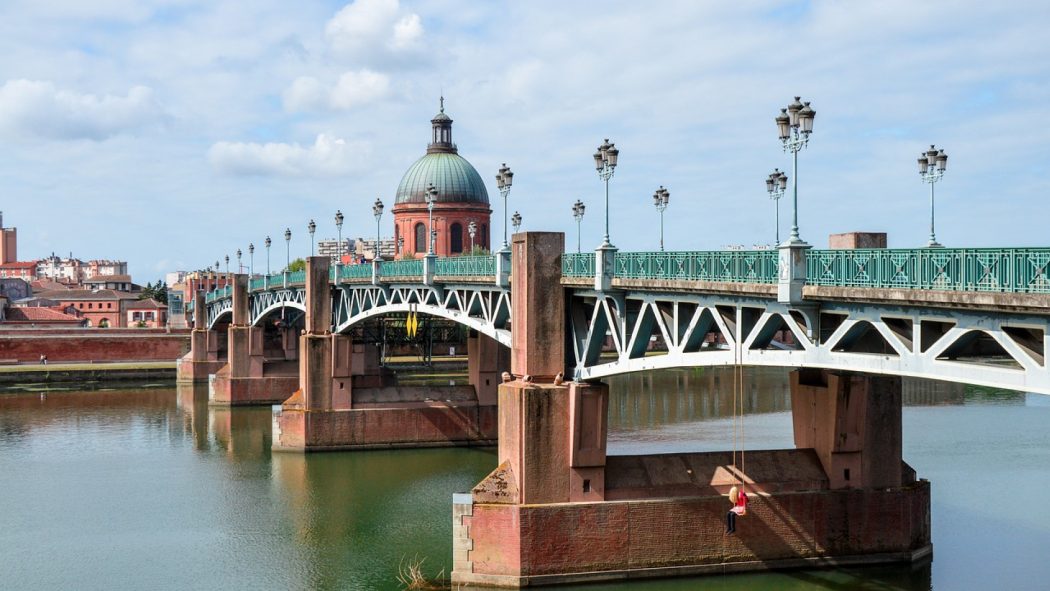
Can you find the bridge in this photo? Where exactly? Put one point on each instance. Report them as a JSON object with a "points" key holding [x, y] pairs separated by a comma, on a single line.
{"points": [[848, 323], [977, 316]]}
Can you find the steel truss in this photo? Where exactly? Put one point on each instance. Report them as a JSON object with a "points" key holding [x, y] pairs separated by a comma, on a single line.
{"points": [[626, 331]]}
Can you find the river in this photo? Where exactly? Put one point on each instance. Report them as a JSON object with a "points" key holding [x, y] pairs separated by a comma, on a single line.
{"points": [[149, 488]]}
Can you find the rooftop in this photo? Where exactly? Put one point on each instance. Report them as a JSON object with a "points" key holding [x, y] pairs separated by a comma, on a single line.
{"points": [[40, 315]]}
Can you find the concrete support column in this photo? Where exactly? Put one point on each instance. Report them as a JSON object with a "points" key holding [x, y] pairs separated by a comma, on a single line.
{"points": [[538, 306], [243, 380], [791, 265], [203, 358], [853, 422], [315, 344], [486, 362]]}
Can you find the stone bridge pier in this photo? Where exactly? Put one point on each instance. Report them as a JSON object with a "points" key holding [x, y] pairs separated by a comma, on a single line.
{"points": [[248, 377], [346, 401], [558, 509], [207, 347]]}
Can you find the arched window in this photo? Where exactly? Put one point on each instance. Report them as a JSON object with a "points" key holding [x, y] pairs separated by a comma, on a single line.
{"points": [[485, 235], [421, 237], [456, 238]]}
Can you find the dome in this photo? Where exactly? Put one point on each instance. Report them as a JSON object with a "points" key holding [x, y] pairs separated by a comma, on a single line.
{"points": [[456, 180]]}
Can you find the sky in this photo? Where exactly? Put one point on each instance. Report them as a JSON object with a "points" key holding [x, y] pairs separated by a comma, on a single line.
{"points": [[170, 133]]}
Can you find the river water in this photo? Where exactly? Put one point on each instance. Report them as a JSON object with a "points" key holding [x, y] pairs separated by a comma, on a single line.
{"points": [[149, 488]]}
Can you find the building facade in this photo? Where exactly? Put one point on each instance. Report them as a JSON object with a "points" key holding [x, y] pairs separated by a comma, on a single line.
{"points": [[461, 199]]}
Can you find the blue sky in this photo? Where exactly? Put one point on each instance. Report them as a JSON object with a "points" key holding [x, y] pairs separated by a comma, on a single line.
{"points": [[172, 132]]}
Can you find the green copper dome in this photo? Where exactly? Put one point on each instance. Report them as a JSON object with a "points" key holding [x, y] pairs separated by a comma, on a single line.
{"points": [[454, 177], [456, 180]]}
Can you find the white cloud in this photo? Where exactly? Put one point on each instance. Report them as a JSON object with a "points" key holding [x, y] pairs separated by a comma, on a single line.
{"points": [[353, 89], [366, 29], [407, 32], [328, 156], [32, 108]]}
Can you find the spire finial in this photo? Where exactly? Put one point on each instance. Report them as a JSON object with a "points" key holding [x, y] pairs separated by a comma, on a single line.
{"points": [[442, 102]]}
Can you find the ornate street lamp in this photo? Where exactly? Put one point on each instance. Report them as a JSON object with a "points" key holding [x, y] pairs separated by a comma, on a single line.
{"points": [[776, 185], [227, 267], [503, 181], [472, 229], [311, 228], [251, 259], [430, 195], [287, 249], [216, 266], [267, 243], [605, 162], [515, 220], [339, 231], [239, 266], [794, 124], [660, 199], [377, 210], [932, 165], [577, 214]]}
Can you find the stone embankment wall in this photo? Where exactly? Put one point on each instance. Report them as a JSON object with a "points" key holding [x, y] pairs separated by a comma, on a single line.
{"points": [[95, 345]]}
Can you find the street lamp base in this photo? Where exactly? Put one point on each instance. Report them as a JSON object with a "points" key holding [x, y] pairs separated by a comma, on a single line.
{"points": [[934, 244], [793, 242]]}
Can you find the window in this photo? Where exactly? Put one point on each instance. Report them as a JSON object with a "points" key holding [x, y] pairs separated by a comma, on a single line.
{"points": [[485, 235], [136, 315], [421, 237], [90, 305], [456, 238], [109, 305]]}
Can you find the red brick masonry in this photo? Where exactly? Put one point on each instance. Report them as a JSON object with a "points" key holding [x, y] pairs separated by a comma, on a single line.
{"points": [[396, 426], [100, 346], [525, 545]]}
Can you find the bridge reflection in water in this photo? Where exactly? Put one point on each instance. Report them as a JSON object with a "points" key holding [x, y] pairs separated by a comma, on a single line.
{"points": [[204, 482]]}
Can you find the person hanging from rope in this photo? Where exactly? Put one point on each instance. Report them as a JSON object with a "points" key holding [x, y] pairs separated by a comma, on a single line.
{"points": [[739, 500]]}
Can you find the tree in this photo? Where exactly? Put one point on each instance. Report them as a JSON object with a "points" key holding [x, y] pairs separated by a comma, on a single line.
{"points": [[297, 265], [157, 292]]}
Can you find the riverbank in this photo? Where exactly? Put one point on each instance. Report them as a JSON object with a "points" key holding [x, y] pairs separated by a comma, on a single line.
{"points": [[81, 373]]}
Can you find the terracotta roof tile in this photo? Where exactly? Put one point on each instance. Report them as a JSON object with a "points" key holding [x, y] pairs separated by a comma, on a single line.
{"points": [[34, 314]]}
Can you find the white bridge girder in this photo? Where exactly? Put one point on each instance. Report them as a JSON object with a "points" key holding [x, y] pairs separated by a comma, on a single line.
{"points": [[611, 334], [611, 331], [483, 308]]}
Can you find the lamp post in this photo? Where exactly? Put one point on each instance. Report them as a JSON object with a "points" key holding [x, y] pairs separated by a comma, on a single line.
{"points": [[267, 243], [776, 185], [430, 195], [377, 210], [287, 249], [339, 231], [503, 181], [251, 259], [240, 268], [311, 228], [660, 199], [794, 124], [472, 229], [605, 162], [932, 165], [577, 214], [400, 244], [227, 267], [515, 220]]}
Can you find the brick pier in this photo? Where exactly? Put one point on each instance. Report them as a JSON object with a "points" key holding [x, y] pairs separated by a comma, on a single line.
{"points": [[558, 510]]}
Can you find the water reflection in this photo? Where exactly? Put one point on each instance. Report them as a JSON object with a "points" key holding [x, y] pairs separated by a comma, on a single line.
{"points": [[152, 488]]}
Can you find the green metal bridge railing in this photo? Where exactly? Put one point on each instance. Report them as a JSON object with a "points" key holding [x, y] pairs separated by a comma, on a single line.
{"points": [[466, 266], [1006, 270], [735, 266], [1009, 270]]}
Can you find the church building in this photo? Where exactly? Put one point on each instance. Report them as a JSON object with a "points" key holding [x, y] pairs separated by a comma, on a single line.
{"points": [[461, 199]]}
